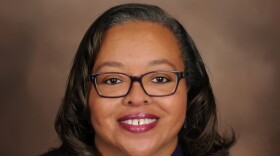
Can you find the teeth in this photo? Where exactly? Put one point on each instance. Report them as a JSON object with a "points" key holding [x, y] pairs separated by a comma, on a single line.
{"points": [[141, 122], [129, 122], [137, 122]]}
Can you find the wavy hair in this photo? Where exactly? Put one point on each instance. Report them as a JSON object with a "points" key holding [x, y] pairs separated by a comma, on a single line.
{"points": [[200, 137]]}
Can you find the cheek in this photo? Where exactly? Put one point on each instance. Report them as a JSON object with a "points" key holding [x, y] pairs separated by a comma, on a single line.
{"points": [[95, 115], [101, 110], [178, 110], [179, 106], [175, 106]]}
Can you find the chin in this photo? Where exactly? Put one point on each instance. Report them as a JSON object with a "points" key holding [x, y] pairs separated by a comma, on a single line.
{"points": [[145, 148], [136, 151]]}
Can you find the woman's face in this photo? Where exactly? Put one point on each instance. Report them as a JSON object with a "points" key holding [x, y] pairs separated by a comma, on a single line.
{"points": [[136, 48]]}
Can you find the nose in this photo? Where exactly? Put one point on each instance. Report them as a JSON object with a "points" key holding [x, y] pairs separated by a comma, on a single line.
{"points": [[136, 96]]}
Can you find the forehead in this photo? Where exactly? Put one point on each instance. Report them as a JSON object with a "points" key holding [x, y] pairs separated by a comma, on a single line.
{"points": [[132, 28], [139, 42]]}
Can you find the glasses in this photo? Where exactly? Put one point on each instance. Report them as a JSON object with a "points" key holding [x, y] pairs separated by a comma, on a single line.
{"points": [[155, 83]]}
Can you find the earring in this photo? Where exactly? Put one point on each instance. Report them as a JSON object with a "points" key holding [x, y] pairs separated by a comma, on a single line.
{"points": [[185, 123]]}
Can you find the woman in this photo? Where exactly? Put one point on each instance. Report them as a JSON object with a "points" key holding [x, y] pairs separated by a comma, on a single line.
{"points": [[138, 86]]}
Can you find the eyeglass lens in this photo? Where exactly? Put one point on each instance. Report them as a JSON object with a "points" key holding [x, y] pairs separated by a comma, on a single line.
{"points": [[118, 84]]}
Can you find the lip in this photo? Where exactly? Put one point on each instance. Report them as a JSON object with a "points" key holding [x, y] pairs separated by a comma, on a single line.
{"points": [[138, 128]]}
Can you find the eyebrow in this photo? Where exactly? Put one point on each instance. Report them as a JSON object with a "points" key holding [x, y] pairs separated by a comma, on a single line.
{"points": [[162, 61], [120, 65], [109, 64]]}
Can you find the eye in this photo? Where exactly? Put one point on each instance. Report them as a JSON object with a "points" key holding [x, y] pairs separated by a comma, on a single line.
{"points": [[112, 81], [160, 80]]}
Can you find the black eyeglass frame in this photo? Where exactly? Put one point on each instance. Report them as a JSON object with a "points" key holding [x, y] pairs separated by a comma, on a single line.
{"points": [[180, 75]]}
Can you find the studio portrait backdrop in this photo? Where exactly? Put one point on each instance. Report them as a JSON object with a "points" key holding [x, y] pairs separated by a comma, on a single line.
{"points": [[238, 41]]}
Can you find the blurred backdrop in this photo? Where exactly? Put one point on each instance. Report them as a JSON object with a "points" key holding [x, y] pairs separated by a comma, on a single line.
{"points": [[238, 40]]}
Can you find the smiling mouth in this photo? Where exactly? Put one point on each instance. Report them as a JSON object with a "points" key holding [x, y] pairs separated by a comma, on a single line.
{"points": [[138, 123]]}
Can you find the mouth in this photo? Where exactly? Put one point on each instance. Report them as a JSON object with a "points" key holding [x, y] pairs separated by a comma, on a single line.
{"points": [[138, 123]]}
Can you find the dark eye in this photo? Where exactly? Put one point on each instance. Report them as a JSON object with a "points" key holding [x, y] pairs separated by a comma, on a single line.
{"points": [[160, 80], [112, 81]]}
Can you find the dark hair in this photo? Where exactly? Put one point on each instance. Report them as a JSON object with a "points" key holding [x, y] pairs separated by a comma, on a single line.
{"points": [[201, 137]]}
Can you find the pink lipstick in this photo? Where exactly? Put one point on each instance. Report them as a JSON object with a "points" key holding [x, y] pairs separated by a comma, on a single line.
{"points": [[139, 122]]}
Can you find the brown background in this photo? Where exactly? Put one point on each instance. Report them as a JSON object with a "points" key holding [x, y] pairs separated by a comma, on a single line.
{"points": [[238, 39]]}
